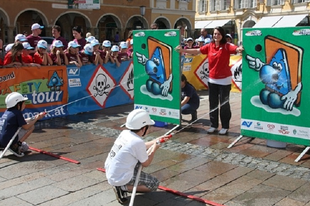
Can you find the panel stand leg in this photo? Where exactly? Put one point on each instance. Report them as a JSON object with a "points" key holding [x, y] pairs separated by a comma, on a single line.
{"points": [[234, 142], [302, 154]]}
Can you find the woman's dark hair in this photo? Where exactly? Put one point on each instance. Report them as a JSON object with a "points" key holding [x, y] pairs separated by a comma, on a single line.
{"points": [[183, 78], [222, 32], [17, 46], [77, 29]]}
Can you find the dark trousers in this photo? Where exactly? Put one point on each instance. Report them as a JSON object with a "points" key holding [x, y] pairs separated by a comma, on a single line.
{"points": [[219, 94]]}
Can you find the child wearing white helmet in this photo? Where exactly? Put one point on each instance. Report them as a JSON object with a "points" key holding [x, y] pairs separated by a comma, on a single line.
{"points": [[12, 119], [128, 153]]}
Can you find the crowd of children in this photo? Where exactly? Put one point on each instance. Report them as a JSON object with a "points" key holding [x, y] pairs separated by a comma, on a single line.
{"points": [[77, 52]]}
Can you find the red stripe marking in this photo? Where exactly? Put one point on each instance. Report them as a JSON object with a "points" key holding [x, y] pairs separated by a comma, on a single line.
{"points": [[180, 193], [54, 155]]}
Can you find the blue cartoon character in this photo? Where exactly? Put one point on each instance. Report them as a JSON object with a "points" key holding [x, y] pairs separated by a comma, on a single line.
{"points": [[278, 91], [55, 82], [158, 83]]}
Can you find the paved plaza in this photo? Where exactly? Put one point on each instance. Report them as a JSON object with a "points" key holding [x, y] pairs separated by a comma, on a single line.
{"points": [[192, 162]]}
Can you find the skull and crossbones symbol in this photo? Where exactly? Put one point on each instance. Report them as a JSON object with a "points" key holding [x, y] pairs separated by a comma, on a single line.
{"points": [[101, 85]]}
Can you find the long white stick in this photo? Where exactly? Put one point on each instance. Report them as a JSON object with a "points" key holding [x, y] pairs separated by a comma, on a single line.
{"points": [[10, 142], [134, 189]]}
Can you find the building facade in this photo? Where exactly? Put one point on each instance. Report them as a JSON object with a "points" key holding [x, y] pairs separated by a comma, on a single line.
{"points": [[103, 18], [234, 15]]}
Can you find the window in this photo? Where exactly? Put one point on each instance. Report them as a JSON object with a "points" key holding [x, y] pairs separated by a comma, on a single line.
{"points": [[202, 4], [300, 1], [218, 5]]}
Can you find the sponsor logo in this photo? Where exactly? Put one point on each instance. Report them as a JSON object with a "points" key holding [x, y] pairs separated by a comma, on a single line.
{"points": [[140, 34], [154, 110], [254, 33], [188, 60], [301, 32], [258, 126], [284, 130], [246, 123], [170, 33], [138, 107], [73, 71], [271, 126], [163, 112]]}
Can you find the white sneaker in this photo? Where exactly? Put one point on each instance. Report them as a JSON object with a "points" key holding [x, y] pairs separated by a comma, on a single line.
{"points": [[211, 130], [223, 131], [24, 147]]}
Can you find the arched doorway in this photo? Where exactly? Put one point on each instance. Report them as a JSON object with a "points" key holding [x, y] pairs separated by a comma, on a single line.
{"points": [[108, 26], [4, 27], [186, 25], [26, 19], [69, 20], [163, 23], [135, 23]]}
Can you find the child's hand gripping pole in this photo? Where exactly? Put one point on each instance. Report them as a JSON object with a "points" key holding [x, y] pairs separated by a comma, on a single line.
{"points": [[150, 150]]}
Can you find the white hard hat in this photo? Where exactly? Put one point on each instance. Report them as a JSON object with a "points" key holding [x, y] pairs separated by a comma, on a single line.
{"points": [[13, 98], [137, 119]]}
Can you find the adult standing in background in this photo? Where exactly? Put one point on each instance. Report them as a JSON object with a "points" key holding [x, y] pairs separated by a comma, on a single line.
{"points": [[78, 38], [204, 33], [219, 84], [56, 32], [34, 37]]}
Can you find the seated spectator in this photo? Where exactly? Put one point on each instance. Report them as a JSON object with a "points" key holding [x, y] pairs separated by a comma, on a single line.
{"points": [[20, 38], [130, 50], [200, 41], [26, 57], [58, 55], [106, 48], [123, 53], [190, 43], [189, 98], [14, 57], [73, 54], [41, 56], [90, 39], [207, 41], [97, 53], [8, 47], [228, 38], [113, 56], [87, 54]]}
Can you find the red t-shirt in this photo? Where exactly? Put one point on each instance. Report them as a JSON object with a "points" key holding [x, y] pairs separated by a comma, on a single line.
{"points": [[1, 63], [219, 59], [8, 59], [27, 59], [37, 58]]}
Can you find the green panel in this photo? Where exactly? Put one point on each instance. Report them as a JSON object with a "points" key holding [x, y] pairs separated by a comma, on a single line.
{"points": [[275, 85], [157, 82]]}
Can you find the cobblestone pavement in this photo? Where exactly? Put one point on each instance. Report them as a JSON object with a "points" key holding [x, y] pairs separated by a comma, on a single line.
{"points": [[250, 173]]}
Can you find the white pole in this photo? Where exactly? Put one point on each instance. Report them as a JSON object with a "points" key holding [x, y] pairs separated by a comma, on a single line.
{"points": [[10, 142]]}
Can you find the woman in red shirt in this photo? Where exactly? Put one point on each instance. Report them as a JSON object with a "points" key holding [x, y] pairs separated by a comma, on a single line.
{"points": [[41, 56], [219, 82], [14, 57]]}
